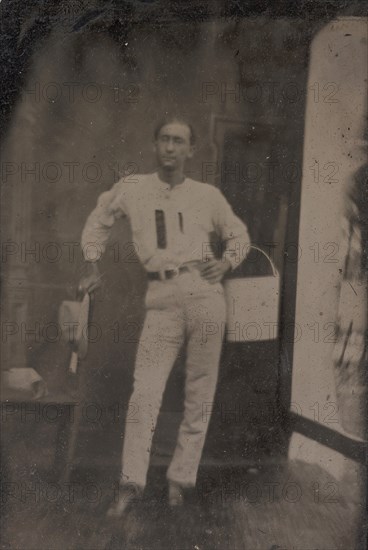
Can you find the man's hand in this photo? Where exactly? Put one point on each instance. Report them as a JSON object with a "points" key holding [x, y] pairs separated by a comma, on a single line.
{"points": [[214, 270], [91, 281]]}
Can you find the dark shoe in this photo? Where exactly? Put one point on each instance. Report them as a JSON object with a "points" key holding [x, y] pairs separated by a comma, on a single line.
{"points": [[128, 494], [176, 495]]}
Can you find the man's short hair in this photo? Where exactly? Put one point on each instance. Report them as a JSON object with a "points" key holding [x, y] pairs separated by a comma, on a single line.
{"points": [[170, 119]]}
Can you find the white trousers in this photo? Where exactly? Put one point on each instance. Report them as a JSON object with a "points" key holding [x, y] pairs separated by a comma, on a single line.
{"points": [[185, 309]]}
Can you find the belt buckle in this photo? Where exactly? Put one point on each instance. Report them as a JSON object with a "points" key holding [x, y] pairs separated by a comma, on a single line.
{"points": [[173, 270]]}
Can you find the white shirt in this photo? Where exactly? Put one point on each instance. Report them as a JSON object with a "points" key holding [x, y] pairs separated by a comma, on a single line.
{"points": [[191, 211]]}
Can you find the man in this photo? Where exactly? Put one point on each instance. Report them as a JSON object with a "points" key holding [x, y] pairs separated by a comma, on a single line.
{"points": [[171, 217], [350, 352]]}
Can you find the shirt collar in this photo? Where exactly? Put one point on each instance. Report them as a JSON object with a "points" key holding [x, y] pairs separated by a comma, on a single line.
{"points": [[163, 185]]}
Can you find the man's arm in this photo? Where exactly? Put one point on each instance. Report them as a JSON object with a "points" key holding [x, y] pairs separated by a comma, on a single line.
{"points": [[96, 233], [233, 233]]}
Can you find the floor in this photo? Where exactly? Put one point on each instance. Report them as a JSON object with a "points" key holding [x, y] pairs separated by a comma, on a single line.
{"points": [[294, 506]]}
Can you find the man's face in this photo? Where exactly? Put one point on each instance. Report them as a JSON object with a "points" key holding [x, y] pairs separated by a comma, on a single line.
{"points": [[172, 146]]}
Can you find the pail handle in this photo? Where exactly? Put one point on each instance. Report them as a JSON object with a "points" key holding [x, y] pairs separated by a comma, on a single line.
{"points": [[274, 270]]}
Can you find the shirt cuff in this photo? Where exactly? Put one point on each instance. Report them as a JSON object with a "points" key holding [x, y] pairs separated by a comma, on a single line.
{"points": [[232, 257]]}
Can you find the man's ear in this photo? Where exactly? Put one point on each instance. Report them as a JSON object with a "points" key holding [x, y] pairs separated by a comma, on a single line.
{"points": [[191, 151]]}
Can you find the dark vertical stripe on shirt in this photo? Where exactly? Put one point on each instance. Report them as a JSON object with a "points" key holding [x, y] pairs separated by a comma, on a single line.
{"points": [[160, 229], [181, 222]]}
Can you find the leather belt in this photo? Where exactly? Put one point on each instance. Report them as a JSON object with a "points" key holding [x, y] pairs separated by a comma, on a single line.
{"points": [[166, 274]]}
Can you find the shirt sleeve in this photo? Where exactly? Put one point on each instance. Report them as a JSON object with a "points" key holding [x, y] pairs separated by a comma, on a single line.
{"points": [[232, 231], [96, 232]]}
